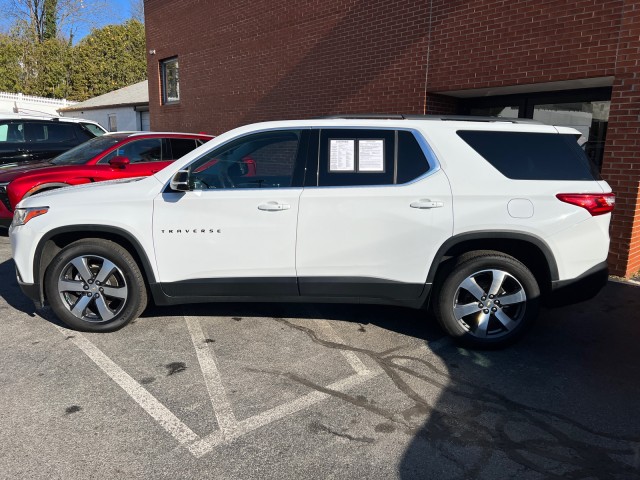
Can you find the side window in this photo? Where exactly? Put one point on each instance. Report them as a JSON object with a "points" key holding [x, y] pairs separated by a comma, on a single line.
{"points": [[59, 132], [35, 132], [350, 157], [181, 146], [169, 79], [411, 160], [531, 156], [11, 132], [93, 129], [261, 160], [138, 151]]}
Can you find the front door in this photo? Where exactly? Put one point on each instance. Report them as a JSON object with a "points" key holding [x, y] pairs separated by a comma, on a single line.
{"points": [[234, 233]]}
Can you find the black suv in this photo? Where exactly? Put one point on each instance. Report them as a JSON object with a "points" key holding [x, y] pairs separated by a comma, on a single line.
{"points": [[27, 138]]}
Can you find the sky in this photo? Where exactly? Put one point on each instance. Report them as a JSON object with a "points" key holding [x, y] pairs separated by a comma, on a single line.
{"points": [[116, 11], [121, 12]]}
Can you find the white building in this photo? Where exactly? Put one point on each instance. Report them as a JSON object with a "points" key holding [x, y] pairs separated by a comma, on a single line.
{"points": [[125, 109]]}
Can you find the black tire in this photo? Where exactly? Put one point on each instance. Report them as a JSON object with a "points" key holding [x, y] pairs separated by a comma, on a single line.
{"points": [[101, 298], [465, 309]]}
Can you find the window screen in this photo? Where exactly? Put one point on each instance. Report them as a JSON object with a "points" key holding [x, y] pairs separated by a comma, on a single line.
{"points": [[531, 156]]}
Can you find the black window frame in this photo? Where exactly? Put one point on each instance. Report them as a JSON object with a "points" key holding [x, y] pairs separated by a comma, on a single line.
{"points": [[166, 100], [300, 161], [315, 168]]}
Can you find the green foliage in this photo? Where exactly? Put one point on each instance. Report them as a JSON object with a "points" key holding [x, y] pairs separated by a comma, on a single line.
{"points": [[107, 59], [10, 70], [50, 20]]}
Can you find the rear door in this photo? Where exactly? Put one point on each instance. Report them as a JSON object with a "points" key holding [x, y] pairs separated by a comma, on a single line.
{"points": [[378, 212], [46, 140]]}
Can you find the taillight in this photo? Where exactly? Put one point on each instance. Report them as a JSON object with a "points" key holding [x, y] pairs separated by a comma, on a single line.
{"points": [[595, 203]]}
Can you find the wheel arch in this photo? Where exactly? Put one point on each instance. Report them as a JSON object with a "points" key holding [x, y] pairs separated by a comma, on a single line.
{"points": [[527, 248], [55, 240], [43, 187]]}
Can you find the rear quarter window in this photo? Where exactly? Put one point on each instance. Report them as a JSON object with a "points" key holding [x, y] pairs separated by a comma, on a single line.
{"points": [[532, 156]]}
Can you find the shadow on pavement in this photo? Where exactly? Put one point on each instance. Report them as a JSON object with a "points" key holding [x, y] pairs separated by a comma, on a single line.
{"points": [[10, 291], [406, 321], [560, 404]]}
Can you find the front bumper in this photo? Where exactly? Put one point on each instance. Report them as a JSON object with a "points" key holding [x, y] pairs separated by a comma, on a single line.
{"points": [[31, 290], [6, 215], [581, 288]]}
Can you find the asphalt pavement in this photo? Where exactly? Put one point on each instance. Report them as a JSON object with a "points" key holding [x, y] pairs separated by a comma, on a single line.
{"points": [[262, 391]]}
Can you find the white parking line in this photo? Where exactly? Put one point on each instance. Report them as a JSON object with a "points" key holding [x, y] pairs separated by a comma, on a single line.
{"points": [[351, 357], [230, 427], [219, 401], [137, 392]]}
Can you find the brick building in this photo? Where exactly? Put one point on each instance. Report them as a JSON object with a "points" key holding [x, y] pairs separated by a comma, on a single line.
{"points": [[214, 65]]}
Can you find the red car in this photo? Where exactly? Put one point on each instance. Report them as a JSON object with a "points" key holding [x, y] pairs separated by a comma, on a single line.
{"points": [[111, 156]]}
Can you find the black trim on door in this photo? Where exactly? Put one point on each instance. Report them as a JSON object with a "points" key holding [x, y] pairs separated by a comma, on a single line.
{"points": [[358, 287], [284, 289], [232, 287]]}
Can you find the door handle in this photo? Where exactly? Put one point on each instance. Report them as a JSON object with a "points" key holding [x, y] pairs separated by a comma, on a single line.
{"points": [[426, 203], [273, 206]]}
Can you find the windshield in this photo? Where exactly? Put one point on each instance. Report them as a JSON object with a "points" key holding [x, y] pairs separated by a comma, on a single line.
{"points": [[95, 129], [86, 151]]}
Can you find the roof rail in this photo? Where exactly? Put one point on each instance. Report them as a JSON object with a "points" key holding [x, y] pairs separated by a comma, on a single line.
{"points": [[400, 116]]}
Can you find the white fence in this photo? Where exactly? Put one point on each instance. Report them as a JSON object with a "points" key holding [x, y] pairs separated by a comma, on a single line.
{"points": [[9, 102]]}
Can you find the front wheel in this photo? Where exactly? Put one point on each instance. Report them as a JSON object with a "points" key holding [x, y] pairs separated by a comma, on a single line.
{"points": [[488, 300], [95, 285]]}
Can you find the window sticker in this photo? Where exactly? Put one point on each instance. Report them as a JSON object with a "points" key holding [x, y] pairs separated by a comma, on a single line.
{"points": [[342, 155], [371, 155]]}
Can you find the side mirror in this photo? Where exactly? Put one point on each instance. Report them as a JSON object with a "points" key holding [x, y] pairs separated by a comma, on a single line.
{"points": [[119, 161], [180, 181]]}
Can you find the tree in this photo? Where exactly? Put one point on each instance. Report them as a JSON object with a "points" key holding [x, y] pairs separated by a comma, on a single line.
{"points": [[109, 58], [137, 10], [10, 70], [46, 19], [50, 20]]}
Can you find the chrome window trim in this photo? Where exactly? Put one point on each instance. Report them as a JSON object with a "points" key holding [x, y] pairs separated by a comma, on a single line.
{"points": [[274, 129], [432, 159]]}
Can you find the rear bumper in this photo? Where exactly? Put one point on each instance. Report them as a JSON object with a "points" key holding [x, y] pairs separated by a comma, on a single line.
{"points": [[581, 288]]}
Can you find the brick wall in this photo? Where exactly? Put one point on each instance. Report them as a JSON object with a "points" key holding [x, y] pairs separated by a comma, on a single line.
{"points": [[621, 166], [491, 43], [247, 61]]}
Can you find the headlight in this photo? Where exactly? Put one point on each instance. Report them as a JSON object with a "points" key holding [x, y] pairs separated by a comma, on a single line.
{"points": [[22, 215]]}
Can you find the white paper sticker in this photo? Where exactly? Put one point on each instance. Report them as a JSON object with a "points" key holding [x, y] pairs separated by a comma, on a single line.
{"points": [[342, 155], [371, 155]]}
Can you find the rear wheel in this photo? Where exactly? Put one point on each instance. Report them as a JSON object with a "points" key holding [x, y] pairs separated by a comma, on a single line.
{"points": [[95, 285], [488, 300]]}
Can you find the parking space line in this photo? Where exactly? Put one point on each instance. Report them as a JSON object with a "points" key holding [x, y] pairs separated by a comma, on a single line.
{"points": [[229, 427], [137, 392], [219, 401], [281, 411], [351, 357]]}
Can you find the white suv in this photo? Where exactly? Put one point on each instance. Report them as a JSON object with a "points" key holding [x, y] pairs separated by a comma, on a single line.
{"points": [[479, 218]]}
